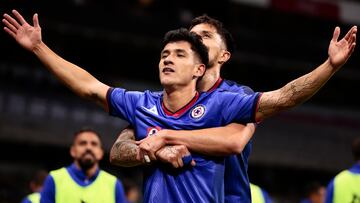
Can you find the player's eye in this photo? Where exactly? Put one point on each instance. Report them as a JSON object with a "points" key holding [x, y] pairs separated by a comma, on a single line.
{"points": [[206, 36]]}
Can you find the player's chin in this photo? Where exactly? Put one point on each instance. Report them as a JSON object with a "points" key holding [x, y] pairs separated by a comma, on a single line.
{"points": [[166, 81], [86, 163]]}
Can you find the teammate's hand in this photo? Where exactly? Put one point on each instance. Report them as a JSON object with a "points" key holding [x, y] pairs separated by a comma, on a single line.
{"points": [[26, 35], [340, 51], [174, 155], [150, 145]]}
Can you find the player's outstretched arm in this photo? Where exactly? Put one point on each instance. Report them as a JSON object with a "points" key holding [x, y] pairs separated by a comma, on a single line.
{"points": [[76, 78], [219, 141], [125, 152], [302, 88]]}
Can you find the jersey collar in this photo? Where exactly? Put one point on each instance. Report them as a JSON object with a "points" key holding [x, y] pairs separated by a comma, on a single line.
{"points": [[183, 109], [355, 168], [80, 177], [216, 85]]}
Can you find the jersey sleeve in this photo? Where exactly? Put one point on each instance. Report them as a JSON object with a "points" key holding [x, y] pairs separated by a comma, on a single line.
{"points": [[330, 192], [120, 193], [122, 103], [25, 200], [48, 192], [241, 89], [239, 107], [266, 196]]}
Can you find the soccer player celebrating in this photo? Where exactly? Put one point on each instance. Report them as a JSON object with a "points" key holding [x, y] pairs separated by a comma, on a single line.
{"points": [[218, 141]]}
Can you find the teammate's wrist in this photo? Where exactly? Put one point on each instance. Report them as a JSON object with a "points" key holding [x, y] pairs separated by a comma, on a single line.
{"points": [[165, 136]]}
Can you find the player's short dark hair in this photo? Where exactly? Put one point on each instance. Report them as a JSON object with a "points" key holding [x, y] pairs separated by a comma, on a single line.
{"points": [[224, 33], [356, 148], [85, 129], [195, 41]]}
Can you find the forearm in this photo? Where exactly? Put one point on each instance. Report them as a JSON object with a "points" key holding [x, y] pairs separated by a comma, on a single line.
{"points": [[74, 77], [220, 141], [124, 151], [294, 92]]}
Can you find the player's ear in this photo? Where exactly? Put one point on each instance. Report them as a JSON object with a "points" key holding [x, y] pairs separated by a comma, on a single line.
{"points": [[200, 70], [224, 56], [72, 151]]}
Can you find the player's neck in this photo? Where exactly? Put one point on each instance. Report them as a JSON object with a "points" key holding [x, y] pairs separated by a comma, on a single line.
{"points": [[178, 98], [209, 79]]}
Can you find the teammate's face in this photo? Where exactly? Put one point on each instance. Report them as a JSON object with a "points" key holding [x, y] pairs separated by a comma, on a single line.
{"points": [[179, 64], [212, 40], [86, 149]]}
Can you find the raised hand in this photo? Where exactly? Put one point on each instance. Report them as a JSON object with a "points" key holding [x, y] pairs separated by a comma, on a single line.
{"points": [[26, 35], [340, 51]]}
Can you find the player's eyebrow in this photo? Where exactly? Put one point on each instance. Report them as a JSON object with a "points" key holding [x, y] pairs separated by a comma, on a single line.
{"points": [[177, 51], [180, 51], [205, 32]]}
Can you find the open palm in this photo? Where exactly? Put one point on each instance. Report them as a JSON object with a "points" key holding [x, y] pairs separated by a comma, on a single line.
{"points": [[340, 51], [26, 35]]}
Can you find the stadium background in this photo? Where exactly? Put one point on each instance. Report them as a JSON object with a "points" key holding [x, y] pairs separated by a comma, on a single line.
{"points": [[119, 43]]}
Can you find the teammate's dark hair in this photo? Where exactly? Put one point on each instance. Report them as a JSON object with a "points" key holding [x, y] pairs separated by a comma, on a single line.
{"points": [[197, 46], [224, 33], [356, 148]]}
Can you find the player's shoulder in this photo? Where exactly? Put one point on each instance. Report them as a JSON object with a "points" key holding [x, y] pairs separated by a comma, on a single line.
{"points": [[153, 94], [235, 87], [136, 93]]}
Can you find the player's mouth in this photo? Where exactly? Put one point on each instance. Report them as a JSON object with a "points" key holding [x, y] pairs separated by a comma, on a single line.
{"points": [[168, 70]]}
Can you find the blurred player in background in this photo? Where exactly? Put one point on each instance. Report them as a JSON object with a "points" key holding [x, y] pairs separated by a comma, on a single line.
{"points": [[259, 195], [315, 193], [83, 181], [36, 186], [132, 191], [345, 187]]}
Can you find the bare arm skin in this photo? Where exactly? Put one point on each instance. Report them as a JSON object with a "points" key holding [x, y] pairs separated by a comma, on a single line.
{"points": [[74, 77], [302, 88], [125, 152], [219, 141]]}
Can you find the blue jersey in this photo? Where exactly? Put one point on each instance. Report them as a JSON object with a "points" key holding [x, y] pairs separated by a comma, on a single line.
{"points": [[237, 185], [146, 112]]}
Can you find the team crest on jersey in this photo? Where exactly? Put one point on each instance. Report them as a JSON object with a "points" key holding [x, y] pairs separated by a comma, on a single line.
{"points": [[152, 130], [198, 111]]}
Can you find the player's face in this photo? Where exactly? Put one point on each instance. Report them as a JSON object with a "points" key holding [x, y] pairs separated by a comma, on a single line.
{"points": [[179, 64], [86, 149], [212, 41]]}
